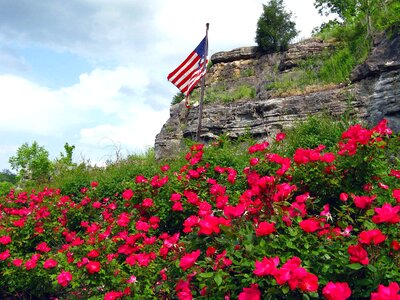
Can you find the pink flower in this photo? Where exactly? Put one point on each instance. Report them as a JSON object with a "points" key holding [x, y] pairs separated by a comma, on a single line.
{"points": [[132, 279], [93, 267], [5, 239], [310, 225], [49, 264], [266, 267], [391, 292], [127, 194], [371, 236], [386, 214], [64, 278], [336, 291], [265, 228], [189, 259], [251, 293], [358, 254]]}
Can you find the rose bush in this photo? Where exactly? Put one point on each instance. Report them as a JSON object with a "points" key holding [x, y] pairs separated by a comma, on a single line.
{"points": [[316, 224]]}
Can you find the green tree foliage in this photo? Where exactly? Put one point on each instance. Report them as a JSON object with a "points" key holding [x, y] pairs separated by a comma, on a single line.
{"points": [[367, 12], [275, 29], [31, 162], [7, 176]]}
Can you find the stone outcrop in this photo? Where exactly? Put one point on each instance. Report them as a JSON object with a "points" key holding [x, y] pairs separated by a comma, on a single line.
{"points": [[374, 93]]}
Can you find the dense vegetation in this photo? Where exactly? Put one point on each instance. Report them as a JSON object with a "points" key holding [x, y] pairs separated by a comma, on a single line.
{"points": [[289, 219]]}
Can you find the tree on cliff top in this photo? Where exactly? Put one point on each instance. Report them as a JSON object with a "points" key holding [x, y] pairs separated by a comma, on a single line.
{"points": [[275, 29]]}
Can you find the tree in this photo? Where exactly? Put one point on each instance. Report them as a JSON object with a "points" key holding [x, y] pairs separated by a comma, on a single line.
{"points": [[350, 10], [274, 28], [31, 162], [7, 176]]}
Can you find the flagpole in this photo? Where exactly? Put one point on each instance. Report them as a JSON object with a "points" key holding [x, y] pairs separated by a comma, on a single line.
{"points": [[202, 88]]}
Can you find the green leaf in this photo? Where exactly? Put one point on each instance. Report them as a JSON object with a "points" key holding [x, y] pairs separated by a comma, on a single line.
{"points": [[371, 268], [218, 279], [206, 275], [356, 266]]}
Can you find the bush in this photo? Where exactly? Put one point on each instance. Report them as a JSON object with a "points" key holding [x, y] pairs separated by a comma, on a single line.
{"points": [[225, 222], [274, 28]]}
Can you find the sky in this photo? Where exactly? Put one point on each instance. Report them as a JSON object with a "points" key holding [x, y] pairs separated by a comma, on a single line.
{"points": [[92, 73]]}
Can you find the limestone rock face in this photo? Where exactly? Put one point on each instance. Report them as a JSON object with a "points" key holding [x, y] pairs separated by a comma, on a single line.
{"points": [[373, 95], [302, 51]]}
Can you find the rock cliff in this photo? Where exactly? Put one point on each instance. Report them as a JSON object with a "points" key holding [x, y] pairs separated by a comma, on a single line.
{"points": [[373, 94]]}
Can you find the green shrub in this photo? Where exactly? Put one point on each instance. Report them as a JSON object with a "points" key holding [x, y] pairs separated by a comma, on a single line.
{"points": [[275, 29]]}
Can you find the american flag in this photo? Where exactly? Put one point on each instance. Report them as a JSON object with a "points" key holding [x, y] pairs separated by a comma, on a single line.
{"points": [[191, 70]]}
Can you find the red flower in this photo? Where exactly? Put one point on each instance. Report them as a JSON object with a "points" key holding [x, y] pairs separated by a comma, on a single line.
{"points": [[396, 195], [94, 184], [189, 259], [177, 206], [395, 173], [127, 194], [93, 253], [64, 278], [265, 228], [148, 202], [395, 245], [5, 239], [280, 136], [336, 291], [343, 197], [358, 254], [17, 262], [266, 267], [386, 214], [164, 168], [113, 295], [5, 254], [43, 247], [93, 267], [123, 219], [251, 293], [254, 161], [310, 225], [309, 283], [371, 236], [234, 211], [391, 292], [50, 263], [363, 201]]}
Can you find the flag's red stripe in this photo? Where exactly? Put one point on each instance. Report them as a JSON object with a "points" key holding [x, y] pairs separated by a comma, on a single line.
{"points": [[181, 73], [186, 76], [191, 56]]}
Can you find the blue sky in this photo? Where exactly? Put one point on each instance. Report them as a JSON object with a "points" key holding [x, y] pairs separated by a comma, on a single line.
{"points": [[93, 72]]}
